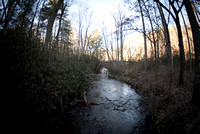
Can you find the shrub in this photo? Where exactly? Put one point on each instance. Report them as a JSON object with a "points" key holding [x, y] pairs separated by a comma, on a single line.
{"points": [[35, 88]]}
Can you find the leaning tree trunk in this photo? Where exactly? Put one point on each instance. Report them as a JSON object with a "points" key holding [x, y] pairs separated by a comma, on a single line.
{"points": [[196, 34], [166, 34], [168, 44]]}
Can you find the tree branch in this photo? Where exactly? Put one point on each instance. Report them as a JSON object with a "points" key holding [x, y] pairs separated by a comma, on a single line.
{"points": [[165, 9], [180, 7]]}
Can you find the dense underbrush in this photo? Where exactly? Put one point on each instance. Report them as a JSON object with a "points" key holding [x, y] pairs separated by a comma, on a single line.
{"points": [[36, 93], [169, 105]]}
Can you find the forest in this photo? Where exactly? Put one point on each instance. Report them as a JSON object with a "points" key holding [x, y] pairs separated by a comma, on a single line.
{"points": [[52, 52]]}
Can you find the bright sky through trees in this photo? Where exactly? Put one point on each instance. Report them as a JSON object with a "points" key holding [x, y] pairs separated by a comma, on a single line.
{"points": [[101, 10]]}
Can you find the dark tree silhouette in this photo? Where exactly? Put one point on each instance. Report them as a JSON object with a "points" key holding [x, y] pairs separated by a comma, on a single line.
{"points": [[196, 34], [180, 38]]}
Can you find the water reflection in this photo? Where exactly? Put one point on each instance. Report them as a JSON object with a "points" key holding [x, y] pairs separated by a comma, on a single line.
{"points": [[115, 107]]}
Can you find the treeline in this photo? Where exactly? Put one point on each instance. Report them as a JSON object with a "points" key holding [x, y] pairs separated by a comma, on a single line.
{"points": [[157, 15], [40, 79], [168, 89], [156, 18]]}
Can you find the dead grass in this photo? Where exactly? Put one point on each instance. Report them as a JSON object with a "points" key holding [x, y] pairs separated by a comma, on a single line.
{"points": [[162, 102]]}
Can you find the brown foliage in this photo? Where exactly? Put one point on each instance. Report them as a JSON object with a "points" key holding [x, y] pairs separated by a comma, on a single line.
{"points": [[168, 108]]}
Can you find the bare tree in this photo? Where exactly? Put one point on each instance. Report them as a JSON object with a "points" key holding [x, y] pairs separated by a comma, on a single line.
{"points": [[88, 23], [144, 34], [84, 21], [166, 33], [168, 43], [121, 16], [106, 41], [190, 59], [196, 34], [175, 16], [117, 35], [111, 46], [147, 11]]}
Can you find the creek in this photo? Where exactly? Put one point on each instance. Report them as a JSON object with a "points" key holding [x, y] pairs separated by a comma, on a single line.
{"points": [[114, 108]]}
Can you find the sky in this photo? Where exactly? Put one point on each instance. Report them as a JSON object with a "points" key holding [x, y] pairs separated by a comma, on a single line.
{"points": [[101, 10], [102, 14]]}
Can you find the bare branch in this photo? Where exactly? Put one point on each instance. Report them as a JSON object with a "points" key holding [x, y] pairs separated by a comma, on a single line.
{"points": [[180, 7], [166, 9]]}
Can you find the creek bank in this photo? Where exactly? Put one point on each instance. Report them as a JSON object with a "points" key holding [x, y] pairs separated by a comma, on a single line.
{"points": [[169, 110]]}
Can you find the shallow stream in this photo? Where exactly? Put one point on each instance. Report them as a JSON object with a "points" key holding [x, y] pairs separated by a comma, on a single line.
{"points": [[114, 108]]}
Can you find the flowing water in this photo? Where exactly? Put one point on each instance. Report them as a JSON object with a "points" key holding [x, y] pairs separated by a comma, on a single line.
{"points": [[114, 108]]}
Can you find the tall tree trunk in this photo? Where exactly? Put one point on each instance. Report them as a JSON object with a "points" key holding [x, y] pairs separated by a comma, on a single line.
{"points": [[111, 47], [106, 42], [180, 39], [157, 34], [107, 52], [38, 24], [154, 40], [181, 50], [151, 44], [166, 33], [30, 30], [51, 22], [62, 43], [117, 34], [152, 30], [144, 34], [59, 27], [196, 34], [190, 55], [121, 41], [168, 44], [158, 45], [190, 59], [181, 47]]}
